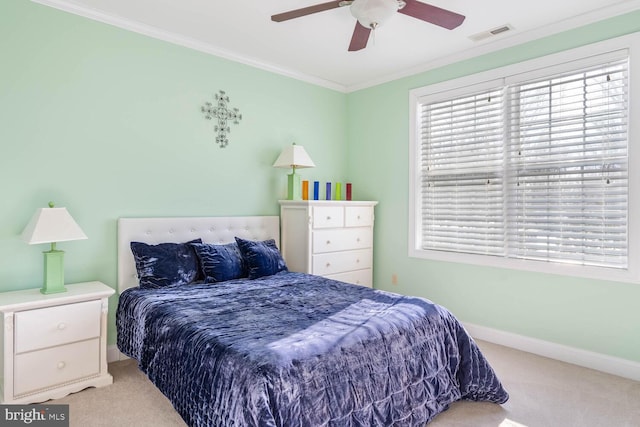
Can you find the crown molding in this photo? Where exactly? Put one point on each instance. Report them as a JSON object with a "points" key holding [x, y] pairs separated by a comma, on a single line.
{"points": [[508, 41], [177, 39], [487, 47]]}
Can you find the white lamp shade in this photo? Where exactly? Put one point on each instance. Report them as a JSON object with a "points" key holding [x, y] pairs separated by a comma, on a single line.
{"points": [[50, 225], [371, 13], [294, 156]]}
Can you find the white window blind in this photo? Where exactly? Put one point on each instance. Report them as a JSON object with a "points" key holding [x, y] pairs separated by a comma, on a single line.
{"points": [[462, 163], [533, 170]]}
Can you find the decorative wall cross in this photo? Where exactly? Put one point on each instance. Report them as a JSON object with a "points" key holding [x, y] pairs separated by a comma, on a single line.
{"points": [[223, 114]]}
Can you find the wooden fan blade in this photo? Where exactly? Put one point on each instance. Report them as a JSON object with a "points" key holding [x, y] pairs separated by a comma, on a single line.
{"points": [[306, 11], [432, 14], [359, 38]]}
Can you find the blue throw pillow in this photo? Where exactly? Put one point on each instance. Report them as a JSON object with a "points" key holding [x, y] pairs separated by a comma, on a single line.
{"points": [[165, 264], [262, 258], [220, 262]]}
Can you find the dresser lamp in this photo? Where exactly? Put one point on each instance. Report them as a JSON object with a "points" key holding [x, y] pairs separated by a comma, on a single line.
{"points": [[52, 225], [294, 157]]}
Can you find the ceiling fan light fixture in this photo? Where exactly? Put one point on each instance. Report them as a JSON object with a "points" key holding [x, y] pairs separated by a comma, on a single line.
{"points": [[373, 13]]}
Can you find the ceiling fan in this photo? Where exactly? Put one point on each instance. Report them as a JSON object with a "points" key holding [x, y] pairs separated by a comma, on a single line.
{"points": [[372, 13]]}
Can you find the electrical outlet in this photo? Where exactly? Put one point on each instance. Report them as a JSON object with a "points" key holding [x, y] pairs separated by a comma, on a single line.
{"points": [[394, 279]]}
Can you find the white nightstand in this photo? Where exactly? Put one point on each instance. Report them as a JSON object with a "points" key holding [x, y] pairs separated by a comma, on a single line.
{"points": [[53, 345]]}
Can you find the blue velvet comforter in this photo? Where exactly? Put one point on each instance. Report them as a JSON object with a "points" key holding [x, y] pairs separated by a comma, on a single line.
{"points": [[300, 350]]}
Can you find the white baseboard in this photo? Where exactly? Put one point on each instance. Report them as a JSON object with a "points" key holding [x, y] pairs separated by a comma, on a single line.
{"points": [[114, 355], [588, 359]]}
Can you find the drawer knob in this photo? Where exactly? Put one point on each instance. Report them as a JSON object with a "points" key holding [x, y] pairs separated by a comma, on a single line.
{"points": [[61, 365], [62, 326], [328, 264], [328, 242], [358, 240], [358, 216], [357, 260], [328, 218]]}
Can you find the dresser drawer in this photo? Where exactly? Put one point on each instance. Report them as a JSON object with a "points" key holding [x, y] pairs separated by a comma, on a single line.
{"points": [[357, 277], [51, 326], [56, 365], [358, 216], [338, 262], [341, 240], [328, 217]]}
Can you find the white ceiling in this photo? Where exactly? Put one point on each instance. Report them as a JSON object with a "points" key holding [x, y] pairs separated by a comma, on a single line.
{"points": [[314, 48]]}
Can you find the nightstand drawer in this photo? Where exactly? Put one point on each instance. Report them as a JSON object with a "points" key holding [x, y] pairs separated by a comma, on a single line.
{"points": [[56, 365], [342, 240], [51, 326], [338, 262], [328, 217]]}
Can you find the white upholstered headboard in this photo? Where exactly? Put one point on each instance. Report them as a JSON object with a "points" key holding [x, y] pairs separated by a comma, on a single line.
{"points": [[177, 230]]}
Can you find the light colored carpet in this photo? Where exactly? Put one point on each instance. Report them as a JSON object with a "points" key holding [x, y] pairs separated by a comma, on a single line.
{"points": [[548, 393], [544, 393]]}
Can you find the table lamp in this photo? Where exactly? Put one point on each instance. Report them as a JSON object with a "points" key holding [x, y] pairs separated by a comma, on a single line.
{"points": [[294, 157], [52, 225]]}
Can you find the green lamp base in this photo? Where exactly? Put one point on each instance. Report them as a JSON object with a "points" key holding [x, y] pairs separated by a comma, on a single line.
{"points": [[53, 272], [294, 187]]}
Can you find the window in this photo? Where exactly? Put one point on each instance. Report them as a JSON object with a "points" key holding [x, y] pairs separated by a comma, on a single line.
{"points": [[526, 170]]}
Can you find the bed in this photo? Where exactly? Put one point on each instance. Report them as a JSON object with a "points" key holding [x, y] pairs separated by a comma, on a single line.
{"points": [[286, 348]]}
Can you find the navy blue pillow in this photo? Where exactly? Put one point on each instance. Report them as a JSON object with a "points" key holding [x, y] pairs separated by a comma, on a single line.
{"points": [[262, 258], [165, 264], [220, 262]]}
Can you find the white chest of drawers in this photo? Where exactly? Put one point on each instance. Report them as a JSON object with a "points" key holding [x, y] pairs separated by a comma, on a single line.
{"points": [[53, 345], [329, 238]]}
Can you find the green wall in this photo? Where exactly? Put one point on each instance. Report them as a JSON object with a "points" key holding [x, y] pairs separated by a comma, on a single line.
{"points": [[107, 123], [593, 315]]}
